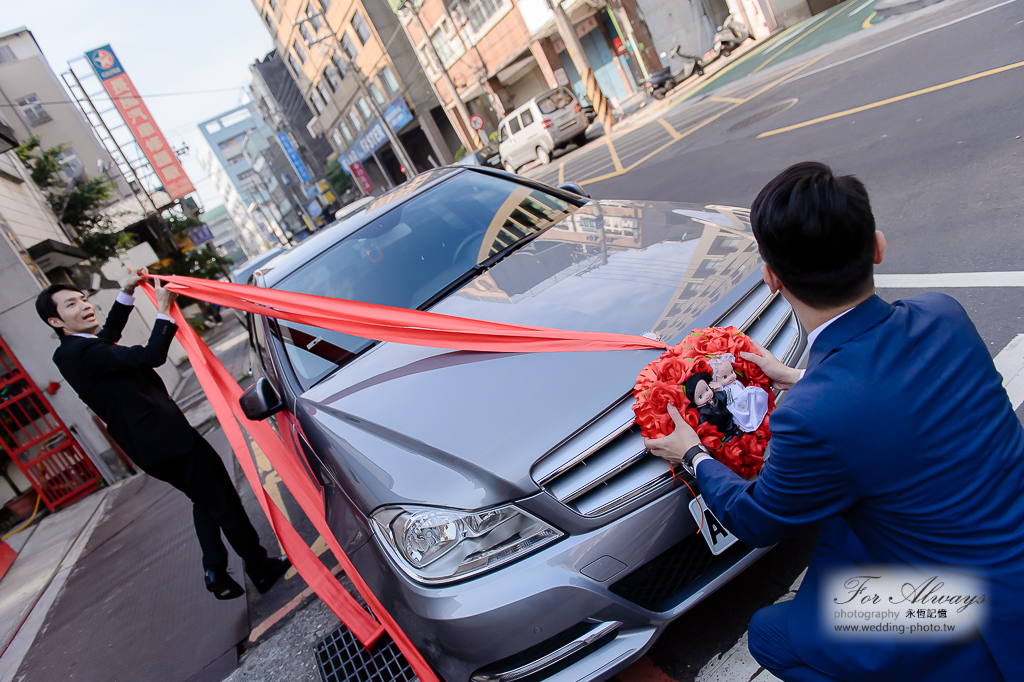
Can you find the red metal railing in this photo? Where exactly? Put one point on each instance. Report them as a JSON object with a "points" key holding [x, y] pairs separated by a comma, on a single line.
{"points": [[37, 440]]}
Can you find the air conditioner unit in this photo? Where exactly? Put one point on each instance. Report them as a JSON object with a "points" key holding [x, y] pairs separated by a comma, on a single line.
{"points": [[314, 127]]}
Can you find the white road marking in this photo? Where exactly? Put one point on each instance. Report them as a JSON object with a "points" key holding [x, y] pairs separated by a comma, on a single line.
{"points": [[854, 11], [951, 280], [793, 34], [231, 342], [897, 42], [1010, 363]]}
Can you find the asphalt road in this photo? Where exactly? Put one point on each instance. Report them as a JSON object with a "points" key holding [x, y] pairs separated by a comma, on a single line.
{"points": [[933, 125]]}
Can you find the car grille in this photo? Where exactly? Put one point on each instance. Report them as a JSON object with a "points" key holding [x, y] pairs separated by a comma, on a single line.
{"points": [[605, 466], [667, 574], [340, 657]]}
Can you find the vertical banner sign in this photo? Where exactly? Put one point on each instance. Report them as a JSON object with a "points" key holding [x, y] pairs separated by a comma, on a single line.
{"points": [[293, 156], [135, 114], [360, 173]]}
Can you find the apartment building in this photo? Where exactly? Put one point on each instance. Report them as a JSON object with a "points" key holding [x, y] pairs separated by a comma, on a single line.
{"points": [[349, 59], [501, 53]]}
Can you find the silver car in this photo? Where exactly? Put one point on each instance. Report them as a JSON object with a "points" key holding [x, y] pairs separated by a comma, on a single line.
{"points": [[502, 505], [539, 127]]}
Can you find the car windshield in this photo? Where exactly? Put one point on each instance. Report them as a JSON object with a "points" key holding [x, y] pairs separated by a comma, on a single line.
{"points": [[551, 103], [409, 255]]}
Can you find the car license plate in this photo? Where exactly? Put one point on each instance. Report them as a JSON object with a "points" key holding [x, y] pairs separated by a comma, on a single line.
{"points": [[718, 538]]}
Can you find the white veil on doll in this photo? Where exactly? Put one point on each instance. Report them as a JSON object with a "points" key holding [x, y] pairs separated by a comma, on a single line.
{"points": [[747, 404]]}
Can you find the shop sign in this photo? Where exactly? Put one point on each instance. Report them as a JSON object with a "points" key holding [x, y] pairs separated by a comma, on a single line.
{"points": [[136, 116], [289, 150], [581, 29], [360, 174], [397, 115]]}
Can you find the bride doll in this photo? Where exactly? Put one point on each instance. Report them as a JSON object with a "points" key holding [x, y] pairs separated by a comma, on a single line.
{"points": [[747, 404]]}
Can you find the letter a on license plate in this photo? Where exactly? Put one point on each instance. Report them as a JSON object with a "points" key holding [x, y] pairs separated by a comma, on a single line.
{"points": [[718, 538]]}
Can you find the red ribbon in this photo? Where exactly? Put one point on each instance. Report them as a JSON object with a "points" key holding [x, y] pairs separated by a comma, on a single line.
{"points": [[367, 320]]}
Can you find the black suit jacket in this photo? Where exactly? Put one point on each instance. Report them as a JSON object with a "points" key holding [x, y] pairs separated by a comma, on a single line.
{"points": [[119, 384]]}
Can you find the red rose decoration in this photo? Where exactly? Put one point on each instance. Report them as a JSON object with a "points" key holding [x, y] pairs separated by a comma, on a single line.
{"points": [[660, 383]]}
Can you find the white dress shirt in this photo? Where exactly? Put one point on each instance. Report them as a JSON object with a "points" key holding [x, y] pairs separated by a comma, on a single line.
{"points": [[128, 300]]}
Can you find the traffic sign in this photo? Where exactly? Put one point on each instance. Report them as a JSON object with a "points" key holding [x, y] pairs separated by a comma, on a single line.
{"points": [[476, 121]]}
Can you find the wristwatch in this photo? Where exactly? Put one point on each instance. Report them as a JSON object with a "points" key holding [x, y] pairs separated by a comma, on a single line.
{"points": [[691, 455]]}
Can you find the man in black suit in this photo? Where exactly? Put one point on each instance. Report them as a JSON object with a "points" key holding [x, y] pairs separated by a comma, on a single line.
{"points": [[121, 386]]}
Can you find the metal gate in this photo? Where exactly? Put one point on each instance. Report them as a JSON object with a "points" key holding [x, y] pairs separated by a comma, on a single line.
{"points": [[37, 440]]}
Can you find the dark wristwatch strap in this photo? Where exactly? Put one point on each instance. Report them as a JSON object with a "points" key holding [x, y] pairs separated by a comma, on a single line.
{"points": [[691, 454]]}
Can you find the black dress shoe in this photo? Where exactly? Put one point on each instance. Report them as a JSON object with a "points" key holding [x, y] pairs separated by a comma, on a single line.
{"points": [[269, 571], [222, 585]]}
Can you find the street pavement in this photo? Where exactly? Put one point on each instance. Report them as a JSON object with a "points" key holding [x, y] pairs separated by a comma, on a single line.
{"points": [[925, 108]]}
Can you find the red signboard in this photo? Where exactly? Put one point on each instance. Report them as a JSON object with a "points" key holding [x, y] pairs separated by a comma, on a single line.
{"points": [[136, 115], [360, 174]]}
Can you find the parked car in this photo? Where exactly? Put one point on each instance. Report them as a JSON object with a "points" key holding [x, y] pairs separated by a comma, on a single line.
{"points": [[485, 156], [502, 506], [539, 127], [243, 271]]}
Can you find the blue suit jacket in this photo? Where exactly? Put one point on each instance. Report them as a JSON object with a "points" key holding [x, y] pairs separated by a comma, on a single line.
{"points": [[902, 434]]}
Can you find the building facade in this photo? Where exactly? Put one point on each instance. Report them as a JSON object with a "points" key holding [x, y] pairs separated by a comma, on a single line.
{"points": [[39, 105], [349, 60]]}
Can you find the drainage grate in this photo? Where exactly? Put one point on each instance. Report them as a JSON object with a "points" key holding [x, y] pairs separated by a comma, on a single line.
{"points": [[342, 658], [667, 574], [762, 115]]}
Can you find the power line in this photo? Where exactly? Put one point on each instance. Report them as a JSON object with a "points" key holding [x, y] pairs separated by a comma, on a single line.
{"points": [[159, 94]]}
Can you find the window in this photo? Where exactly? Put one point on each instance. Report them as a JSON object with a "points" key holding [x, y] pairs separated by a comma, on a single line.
{"points": [[273, 6], [514, 123], [527, 117], [6, 54], [349, 46], [322, 89], [353, 116], [479, 11], [555, 101], [440, 42], [307, 35], [296, 68], [339, 64], [270, 22], [328, 77], [377, 94], [388, 76], [236, 159], [33, 110], [410, 254], [362, 30], [338, 142], [69, 163], [345, 131], [317, 106], [311, 14], [504, 134], [364, 107], [299, 52]]}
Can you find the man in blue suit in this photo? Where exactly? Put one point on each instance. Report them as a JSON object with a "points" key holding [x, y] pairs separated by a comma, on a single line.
{"points": [[898, 437]]}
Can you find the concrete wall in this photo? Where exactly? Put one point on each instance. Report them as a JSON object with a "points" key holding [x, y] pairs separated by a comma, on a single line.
{"points": [[25, 208]]}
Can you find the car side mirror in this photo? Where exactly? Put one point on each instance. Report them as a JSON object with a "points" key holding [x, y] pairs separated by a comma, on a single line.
{"points": [[573, 188], [260, 401]]}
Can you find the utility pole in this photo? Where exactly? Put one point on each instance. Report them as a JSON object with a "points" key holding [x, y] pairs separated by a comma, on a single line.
{"points": [[396, 144], [459, 104], [579, 60]]}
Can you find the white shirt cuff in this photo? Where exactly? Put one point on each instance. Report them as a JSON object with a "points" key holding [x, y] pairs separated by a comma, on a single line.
{"points": [[802, 373], [700, 458], [161, 316], [125, 299]]}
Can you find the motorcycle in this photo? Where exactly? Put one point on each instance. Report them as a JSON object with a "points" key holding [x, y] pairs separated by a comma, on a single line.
{"points": [[731, 34], [680, 67]]}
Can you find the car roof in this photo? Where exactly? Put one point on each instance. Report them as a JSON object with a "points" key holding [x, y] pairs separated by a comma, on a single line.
{"points": [[533, 100], [321, 241]]}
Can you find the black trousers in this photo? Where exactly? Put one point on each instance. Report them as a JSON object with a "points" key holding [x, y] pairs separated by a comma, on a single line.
{"points": [[200, 474]]}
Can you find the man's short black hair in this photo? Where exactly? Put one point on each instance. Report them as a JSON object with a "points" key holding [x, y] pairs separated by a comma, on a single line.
{"points": [[817, 234], [47, 307]]}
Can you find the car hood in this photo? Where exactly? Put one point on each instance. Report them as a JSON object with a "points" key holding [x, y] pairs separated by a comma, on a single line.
{"points": [[463, 429]]}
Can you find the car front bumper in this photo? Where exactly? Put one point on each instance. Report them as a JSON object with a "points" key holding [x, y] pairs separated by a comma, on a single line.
{"points": [[510, 619]]}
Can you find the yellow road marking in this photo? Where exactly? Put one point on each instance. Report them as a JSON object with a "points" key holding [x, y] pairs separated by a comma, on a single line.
{"points": [[867, 22], [671, 131], [618, 164], [890, 100], [561, 172], [732, 100], [615, 157], [787, 47], [319, 546]]}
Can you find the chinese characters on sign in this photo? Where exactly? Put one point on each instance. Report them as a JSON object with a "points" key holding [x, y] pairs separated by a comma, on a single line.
{"points": [[293, 156], [397, 115], [142, 126], [360, 174]]}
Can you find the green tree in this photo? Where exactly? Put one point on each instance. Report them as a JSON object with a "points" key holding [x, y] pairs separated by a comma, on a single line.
{"points": [[338, 178], [179, 224], [202, 262], [79, 204]]}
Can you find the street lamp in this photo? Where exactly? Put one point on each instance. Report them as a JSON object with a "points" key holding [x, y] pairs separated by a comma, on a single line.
{"points": [[400, 152]]}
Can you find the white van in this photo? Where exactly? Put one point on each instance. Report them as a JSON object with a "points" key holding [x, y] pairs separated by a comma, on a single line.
{"points": [[545, 123]]}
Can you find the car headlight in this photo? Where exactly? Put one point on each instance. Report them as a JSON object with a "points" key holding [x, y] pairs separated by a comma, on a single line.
{"points": [[438, 545]]}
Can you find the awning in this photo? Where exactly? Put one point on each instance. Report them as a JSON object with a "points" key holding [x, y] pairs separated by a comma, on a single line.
{"points": [[49, 255]]}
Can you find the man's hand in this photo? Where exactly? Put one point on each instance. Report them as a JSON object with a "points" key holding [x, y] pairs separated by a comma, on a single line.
{"points": [[164, 298], [673, 446], [783, 377], [134, 277]]}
